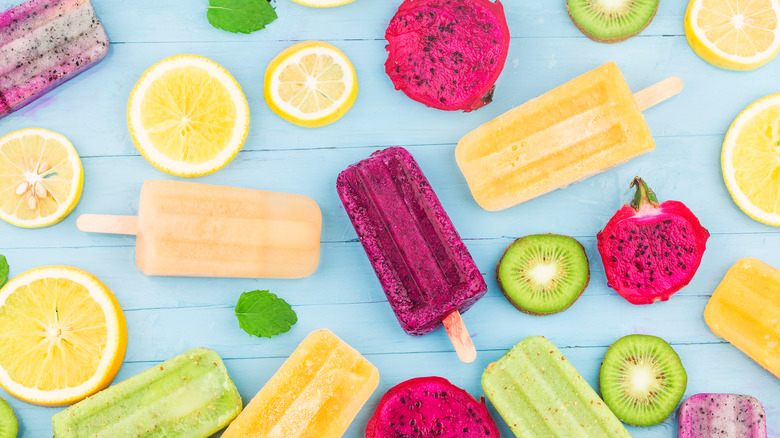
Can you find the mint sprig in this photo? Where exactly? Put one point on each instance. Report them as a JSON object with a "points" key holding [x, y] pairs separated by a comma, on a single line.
{"points": [[240, 16], [261, 313], [3, 270]]}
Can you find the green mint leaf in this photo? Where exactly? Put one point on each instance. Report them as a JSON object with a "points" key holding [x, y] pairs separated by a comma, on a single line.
{"points": [[261, 313], [3, 270], [240, 16]]}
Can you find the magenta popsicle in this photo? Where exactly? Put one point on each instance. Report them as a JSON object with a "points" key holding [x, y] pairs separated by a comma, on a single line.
{"points": [[44, 43], [424, 268], [722, 415]]}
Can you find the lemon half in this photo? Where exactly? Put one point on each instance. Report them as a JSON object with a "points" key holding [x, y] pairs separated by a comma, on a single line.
{"points": [[62, 336], [41, 178], [734, 34], [188, 116], [310, 84], [751, 160]]}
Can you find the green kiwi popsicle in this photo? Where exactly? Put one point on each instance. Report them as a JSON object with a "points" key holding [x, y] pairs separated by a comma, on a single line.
{"points": [[189, 396], [540, 394]]}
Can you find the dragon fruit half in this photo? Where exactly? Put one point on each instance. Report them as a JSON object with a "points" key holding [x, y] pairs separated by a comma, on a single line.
{"points": [[447, 54], [430, 407], [651, 251]]}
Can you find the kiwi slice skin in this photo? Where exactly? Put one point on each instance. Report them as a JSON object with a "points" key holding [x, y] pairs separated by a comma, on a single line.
{"points": [[643, 364], [602, 32], [569, 287], [9, 426]]}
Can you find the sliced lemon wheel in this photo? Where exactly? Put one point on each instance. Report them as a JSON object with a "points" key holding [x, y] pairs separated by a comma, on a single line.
{"points": [[323, 3], [310, 84], [751, 160], [188, 116], [734, 34], [40, 178], [62, 336]]}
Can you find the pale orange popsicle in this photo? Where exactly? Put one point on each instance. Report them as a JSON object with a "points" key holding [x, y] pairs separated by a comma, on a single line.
{"points": [[575, 131], [316, 393], [201, 230], [745, 310]]}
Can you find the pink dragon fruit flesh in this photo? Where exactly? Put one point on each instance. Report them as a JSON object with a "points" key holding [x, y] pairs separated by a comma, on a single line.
{"points": [[430, 407], [651, 251], [447, 54]]}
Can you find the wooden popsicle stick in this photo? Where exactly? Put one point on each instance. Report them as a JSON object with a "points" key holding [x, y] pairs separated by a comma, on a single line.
{"points": [[459, 336], [657, 93], [108, 224]]}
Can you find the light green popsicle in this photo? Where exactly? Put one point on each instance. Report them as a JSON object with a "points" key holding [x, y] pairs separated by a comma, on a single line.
{"points": [[540, 394], [189, 396]]}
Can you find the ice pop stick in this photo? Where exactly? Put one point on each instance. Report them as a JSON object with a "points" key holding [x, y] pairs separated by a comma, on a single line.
{"points": [[108, 224], [459, 336], [657, 93]]}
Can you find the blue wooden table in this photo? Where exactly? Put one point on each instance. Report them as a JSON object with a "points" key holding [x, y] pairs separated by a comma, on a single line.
{"points": [[166, 316]]}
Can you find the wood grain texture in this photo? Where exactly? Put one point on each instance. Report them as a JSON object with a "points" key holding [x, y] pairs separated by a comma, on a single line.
{"points": [[166, 316]]}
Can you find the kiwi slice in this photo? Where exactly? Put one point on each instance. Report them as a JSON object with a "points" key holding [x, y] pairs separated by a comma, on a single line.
{"points": [[9, 427], [642, 380], [611, 21], [543, 273]]}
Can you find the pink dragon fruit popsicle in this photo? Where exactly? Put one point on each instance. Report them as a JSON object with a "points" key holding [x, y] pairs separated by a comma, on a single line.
{"points": [[425, 269], [44, 43], [722, 415]]}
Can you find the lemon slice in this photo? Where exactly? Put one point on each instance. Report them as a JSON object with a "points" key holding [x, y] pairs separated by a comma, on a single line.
{"points": [[751, 160], [311, 84], [323, 3], [734, 34], [40, 178], [188, 116], [62, 336]]}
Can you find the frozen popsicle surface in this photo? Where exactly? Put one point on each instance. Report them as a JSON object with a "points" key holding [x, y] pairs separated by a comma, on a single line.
{"points": [[316, 393], [189, 396], [420, 260], [44, 43], [540, 394], [721, 416], [573, 132], [745, 310]]}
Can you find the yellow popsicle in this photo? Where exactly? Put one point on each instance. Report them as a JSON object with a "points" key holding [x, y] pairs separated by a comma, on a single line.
{"points": [[575, 131], [316, 393], [745, 310]]}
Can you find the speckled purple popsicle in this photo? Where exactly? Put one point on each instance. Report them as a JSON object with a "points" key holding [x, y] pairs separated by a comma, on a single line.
{"points": [[44, 43], [421, 262], [722, 416]]}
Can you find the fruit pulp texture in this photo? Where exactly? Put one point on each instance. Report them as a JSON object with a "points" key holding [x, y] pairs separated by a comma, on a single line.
{"points": [[317, 392], [722, 415], [44, 43], [420, 260], [540, 394], [573, 132], [200, 230], [189, 396], [745, 310]]}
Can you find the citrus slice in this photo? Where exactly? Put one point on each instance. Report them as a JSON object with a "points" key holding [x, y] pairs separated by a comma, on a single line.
{"points": [[323, 3], [188, 116], [40, 178], [751, 160], [734, 34], [62, 336], [310, 84]]}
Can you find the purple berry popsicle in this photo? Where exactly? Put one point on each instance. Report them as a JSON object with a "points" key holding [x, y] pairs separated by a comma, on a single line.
{"points": [[44, 43], [722, 415], [425, 269]]}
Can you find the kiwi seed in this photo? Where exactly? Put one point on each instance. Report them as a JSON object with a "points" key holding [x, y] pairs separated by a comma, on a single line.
{"points": [[642, 380], [9, 427], [611, 21], [543, 273]]}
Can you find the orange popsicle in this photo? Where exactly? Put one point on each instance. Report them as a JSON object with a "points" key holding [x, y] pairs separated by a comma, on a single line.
{"points": [[200, 230], [745, 310], [316, 393], [573, 132]]}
